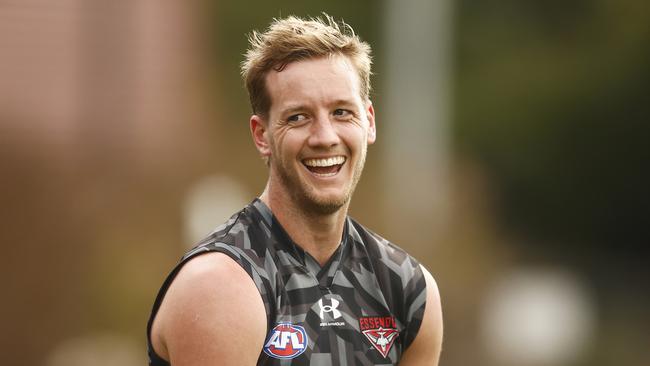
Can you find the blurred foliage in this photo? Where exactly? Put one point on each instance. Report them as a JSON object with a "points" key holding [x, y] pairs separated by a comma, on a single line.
{"points": [[551, 101], [552, 97]]}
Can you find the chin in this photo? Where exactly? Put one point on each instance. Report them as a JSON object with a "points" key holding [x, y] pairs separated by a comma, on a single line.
{"points": [[325, 207], [325, 204], [315, 198]]}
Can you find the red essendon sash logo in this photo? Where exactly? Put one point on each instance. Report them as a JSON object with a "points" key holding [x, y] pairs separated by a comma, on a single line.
{"points": [[381, 331]]}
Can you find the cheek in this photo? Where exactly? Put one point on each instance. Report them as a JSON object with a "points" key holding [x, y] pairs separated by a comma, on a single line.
{"points": [[286, 144], [354, 136]]}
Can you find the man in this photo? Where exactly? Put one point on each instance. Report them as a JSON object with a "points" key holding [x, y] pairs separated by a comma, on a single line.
{"points": [[291, 279]]}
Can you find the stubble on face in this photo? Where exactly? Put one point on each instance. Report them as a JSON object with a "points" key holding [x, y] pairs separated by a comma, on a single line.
{"points": [[305, 196]]}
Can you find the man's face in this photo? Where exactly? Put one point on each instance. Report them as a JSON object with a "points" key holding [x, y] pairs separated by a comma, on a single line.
{"points": [[317, 131]]}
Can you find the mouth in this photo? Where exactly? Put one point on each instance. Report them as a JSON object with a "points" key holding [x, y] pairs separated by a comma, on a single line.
{"points": [[324, 167]]}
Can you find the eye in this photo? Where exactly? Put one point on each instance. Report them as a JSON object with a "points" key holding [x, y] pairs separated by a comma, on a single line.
{"points": [[296, 118], [339, 112]]}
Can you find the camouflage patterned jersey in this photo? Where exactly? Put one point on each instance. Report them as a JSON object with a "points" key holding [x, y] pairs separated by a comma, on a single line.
{"points": [[364, 307]]}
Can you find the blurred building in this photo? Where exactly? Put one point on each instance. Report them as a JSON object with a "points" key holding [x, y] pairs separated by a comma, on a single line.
{"points": [[102, 111]]}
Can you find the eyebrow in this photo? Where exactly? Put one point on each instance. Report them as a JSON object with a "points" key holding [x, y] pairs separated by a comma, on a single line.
{"points": [[304, 107], [344, 102], [293, 109]]}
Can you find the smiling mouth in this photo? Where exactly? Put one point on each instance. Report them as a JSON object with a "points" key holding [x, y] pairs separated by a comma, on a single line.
{"points": [[325, 167]]}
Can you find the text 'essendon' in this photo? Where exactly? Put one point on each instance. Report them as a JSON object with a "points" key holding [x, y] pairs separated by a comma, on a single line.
{"points": [[374, 322]]}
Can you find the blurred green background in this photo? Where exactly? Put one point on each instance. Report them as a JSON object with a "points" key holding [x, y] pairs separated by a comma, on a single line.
{"points": [[124, 137]]}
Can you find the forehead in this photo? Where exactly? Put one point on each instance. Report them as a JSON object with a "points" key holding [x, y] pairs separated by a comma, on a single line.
{"points": [[318, 80]]}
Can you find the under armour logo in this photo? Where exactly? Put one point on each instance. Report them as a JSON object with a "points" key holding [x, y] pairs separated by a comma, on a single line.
{"points": [[329, 309]]}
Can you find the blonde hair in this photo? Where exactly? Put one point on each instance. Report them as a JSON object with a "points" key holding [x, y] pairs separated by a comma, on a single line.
{"points": [[293, 39]]}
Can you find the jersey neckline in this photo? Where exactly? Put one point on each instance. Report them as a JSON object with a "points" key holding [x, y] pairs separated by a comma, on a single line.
{"points": [[325, 274]]}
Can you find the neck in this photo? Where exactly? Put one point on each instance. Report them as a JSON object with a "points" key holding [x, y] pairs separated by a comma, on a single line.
{"points": [[317, 234]]}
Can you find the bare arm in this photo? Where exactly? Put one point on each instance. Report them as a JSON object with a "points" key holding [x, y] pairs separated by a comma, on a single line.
{"points": [[425, 349], [212, 314]]}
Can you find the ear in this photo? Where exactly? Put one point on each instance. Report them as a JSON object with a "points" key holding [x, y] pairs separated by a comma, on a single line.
{"points": [[259, 131], [372, 128]]}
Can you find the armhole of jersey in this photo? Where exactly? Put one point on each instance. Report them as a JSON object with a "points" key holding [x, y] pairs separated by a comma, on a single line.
{"points": [[172, 275], [415, 320]]}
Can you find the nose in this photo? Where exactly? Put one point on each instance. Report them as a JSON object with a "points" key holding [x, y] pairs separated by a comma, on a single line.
{"points": [[323, 133]]}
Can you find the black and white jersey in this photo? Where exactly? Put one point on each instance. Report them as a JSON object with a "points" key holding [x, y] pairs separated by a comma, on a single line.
{"points": [[363, 307]]}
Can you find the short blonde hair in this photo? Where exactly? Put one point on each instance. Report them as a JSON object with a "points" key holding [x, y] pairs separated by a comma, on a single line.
{"points": [[293, 39]]}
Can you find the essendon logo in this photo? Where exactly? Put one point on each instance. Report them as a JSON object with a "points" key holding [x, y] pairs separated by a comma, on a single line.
{"points": [[286, 341], [380, 331]]}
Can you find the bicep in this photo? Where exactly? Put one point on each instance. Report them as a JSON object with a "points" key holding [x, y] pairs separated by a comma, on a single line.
{"points": [[212, 314], [425, 349]]}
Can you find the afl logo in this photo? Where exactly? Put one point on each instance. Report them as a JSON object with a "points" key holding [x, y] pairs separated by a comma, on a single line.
{"points": [[286, 341]]}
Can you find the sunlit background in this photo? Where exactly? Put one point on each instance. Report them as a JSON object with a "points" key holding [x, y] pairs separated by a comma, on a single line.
{"points": [[512, 160]]}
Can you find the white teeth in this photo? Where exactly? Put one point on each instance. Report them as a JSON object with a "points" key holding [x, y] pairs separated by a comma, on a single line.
{"points": [[336, 160]]}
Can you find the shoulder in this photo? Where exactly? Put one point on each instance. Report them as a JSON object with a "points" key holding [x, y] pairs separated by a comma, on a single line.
{"points": [[243, 237], [210, 293], [385, 253]]}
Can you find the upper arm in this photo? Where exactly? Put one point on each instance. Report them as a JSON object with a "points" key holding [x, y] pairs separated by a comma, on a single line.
{"points": [[427, 345], [212, 314]]}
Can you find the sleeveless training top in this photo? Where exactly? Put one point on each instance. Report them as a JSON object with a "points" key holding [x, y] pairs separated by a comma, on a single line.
{"points": [[363, 307]]}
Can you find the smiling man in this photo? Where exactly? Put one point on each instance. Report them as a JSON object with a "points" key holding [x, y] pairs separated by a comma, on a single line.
{"points": [[291, 278]]}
